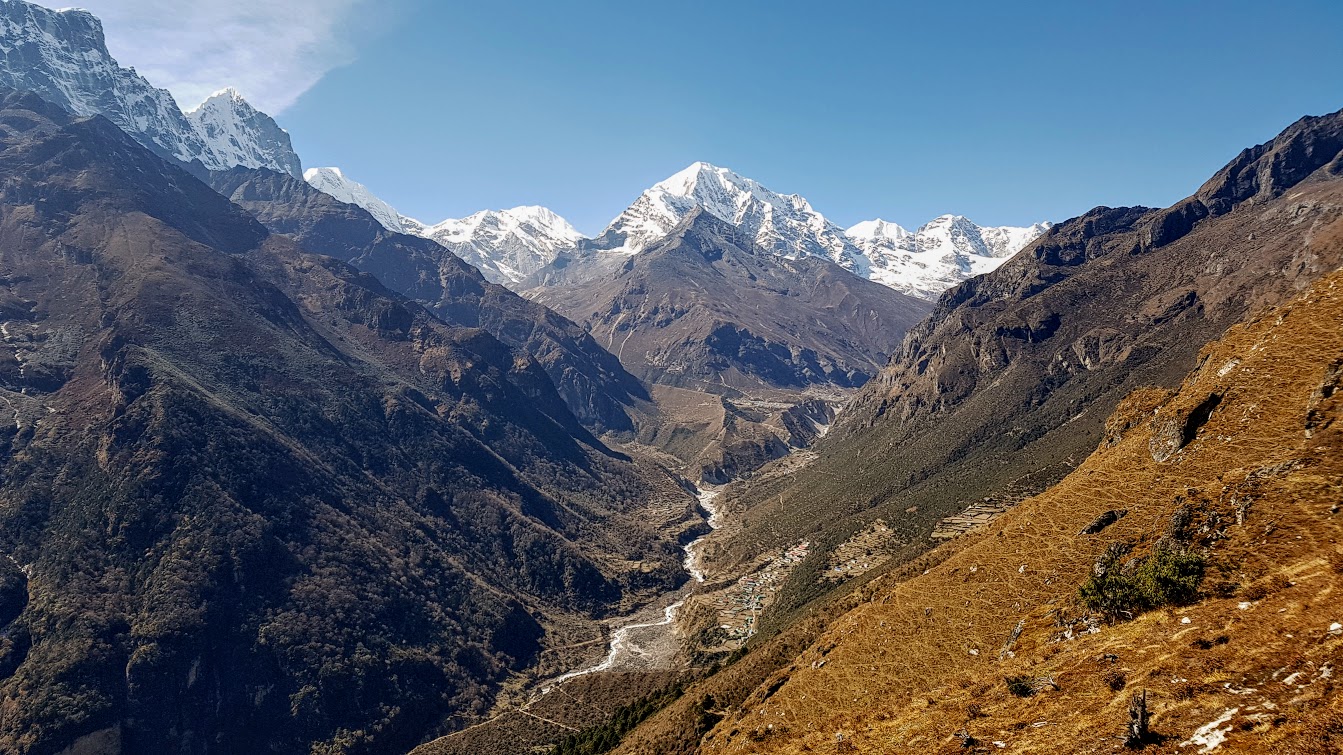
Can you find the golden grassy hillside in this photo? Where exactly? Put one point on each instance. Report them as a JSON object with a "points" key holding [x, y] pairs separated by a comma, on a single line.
{"points": [[1253, 664]]}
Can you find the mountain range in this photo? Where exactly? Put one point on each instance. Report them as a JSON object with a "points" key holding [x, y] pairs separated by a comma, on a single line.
{"points": [[265, 460], [62, 55], [291, 471], [523, 247], [1008, 382]]}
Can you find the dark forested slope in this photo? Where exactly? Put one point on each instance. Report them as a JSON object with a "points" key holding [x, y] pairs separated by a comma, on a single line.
{"points": [[254, 501]]}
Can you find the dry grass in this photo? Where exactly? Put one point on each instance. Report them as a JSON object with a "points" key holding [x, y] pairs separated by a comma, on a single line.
{"points": [[886, 675]]}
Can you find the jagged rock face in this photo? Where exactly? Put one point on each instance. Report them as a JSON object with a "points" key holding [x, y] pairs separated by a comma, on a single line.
{"points": [[973, 333], [592, 381], [949, 250], [706, 309], [61, 55], [1011, 377], [240, 135], [259, 500]]}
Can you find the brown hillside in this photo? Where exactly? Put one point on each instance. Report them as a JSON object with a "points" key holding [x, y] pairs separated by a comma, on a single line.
{"points": [[1006, 386], [1255, 488]]}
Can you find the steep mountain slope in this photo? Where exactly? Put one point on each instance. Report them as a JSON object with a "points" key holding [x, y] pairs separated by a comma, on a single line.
{"points": [[705, 308], [593, 383], [62, 56], [253, 500], [748, 352], [940, 254], [990, 646], [1005, 387]]}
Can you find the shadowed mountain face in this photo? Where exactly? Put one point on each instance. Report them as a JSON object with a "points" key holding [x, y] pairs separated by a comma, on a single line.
{"points": [[1005, 387], [706, 309], [254, 501], [593, 383]]}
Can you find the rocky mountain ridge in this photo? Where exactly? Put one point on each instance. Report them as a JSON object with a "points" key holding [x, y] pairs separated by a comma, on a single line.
{"points": [[1007, 383], [62, 56], [705, 307], [593, 383]]}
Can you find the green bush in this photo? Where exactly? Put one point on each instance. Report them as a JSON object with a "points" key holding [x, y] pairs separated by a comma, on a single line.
{"points": [[1170, 576], [1021, 686]]}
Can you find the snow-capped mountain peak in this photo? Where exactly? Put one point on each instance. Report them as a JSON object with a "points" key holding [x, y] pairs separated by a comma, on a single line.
{"points": [[924, 262], [335, 183], [527, 220], [785, 224], [939, 254], [239, 134], [507, 245], [61, 55], [877, 229]]}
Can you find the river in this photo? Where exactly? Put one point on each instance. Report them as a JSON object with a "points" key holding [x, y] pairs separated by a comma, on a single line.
{"points": [[642, 644]]}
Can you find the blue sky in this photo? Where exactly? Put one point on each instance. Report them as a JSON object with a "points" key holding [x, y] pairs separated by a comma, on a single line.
{"points": [[1007, 112]]}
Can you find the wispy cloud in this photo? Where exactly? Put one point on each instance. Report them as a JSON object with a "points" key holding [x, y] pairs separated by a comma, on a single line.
{"points": [[270, 50]]}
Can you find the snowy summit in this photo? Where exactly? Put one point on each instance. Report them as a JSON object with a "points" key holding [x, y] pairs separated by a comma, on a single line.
{"points": [[510, 245], [61, 55]]}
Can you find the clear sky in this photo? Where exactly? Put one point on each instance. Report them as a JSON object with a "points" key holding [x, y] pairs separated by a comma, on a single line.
{"points": [[1007, 112]]}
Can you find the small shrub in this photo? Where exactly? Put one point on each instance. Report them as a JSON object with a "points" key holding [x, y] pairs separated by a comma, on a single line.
{"points": [[1189, 690], [1021, 685], [1170, 576], [1114, 679]]}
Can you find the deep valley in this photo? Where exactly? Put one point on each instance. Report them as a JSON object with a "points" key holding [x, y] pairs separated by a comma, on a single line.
{"points": [[285, 470]]}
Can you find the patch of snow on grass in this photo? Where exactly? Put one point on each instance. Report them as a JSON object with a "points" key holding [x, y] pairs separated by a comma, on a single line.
{"points": [[1211, 735]]}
